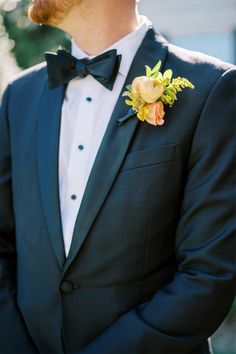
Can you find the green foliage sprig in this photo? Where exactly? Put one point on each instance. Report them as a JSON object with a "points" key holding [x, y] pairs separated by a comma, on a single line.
{"points": [[171, 86]]}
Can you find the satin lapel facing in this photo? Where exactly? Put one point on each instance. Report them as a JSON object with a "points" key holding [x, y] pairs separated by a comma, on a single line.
{"points": [[48, 135], [114, 145]]}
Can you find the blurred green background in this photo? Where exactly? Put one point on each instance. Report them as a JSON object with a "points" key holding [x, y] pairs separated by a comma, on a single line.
{"points": [[30, 41], [23, 44]]}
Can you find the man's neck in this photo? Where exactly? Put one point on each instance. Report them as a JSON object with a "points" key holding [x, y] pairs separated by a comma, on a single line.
{"points": [[95, 28]]}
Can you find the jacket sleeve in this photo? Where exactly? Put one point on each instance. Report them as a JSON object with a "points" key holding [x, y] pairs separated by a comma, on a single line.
{"points": [[184, 313], [14, 337]]}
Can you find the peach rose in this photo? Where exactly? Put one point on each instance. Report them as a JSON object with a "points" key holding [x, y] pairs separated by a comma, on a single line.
{"points": [[156, 113], [147, 88]]}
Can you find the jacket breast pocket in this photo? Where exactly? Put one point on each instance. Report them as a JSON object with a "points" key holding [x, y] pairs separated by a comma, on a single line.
{"points": [[148, 157]]}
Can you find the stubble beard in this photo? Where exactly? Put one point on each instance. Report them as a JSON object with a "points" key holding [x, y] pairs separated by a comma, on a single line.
{"points": [[51, 12]]}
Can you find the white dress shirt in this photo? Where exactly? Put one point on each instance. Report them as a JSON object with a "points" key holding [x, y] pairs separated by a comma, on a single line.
{"points": [[86, 111]]}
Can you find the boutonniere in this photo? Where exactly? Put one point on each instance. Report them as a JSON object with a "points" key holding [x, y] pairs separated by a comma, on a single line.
{"points": [[149, 94]]}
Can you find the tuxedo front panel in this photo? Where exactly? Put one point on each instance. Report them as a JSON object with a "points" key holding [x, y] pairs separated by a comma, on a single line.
{"points": [[127, 254]]}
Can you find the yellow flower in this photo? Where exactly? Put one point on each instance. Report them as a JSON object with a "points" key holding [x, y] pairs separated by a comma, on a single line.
{"points": [[134, 100], [149, 89], [143, 113]]}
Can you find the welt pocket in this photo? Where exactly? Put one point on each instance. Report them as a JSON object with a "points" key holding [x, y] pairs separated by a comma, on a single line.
{"points": [[149, 157]]}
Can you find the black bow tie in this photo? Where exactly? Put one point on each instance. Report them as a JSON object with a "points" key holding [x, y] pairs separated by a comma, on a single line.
{"points": [[63, 67]]}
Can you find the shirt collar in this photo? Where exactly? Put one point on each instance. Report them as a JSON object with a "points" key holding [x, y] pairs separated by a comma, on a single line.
{"points": [[126, 46]]}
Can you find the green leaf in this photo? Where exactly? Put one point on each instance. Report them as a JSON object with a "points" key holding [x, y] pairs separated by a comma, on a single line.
{"points": [[154, 76], [129, 88], [156, 68], [168, 74], [148, 71]]}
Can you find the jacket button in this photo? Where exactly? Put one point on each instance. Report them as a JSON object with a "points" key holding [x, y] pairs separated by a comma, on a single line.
{"points": [[67, 287]]}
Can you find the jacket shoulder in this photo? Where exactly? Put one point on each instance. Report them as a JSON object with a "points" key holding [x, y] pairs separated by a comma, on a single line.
{"points": [[30, 79], [202, 70], [197, 64], [197, 59], [26, 86]]}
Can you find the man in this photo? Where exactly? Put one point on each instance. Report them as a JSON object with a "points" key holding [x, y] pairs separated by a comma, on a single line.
{"points": [[116, 236]]}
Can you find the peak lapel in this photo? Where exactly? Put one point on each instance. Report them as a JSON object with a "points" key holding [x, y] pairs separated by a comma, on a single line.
{"points": [[48, 135], [114, 144]]}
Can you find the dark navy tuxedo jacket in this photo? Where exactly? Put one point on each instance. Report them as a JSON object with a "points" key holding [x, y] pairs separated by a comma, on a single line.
{"points": [[151, 268]]}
